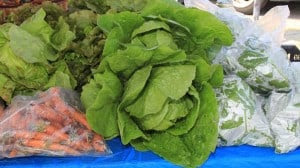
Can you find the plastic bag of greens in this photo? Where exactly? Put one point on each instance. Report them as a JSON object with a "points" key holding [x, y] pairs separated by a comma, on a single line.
{"points": [[241, 118], [254, 56], [283, 112], [49, 124]]}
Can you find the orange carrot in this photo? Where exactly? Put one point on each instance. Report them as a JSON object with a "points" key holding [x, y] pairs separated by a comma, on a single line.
{"points": [[98, 147], [57, 125], [13, 153], [81, 145], [98, 144], [53, 131], [12, 122], [37, 136], [98, 137], [60, 105], [69, 111], [79, 117], [47, 113], [54, 146]]}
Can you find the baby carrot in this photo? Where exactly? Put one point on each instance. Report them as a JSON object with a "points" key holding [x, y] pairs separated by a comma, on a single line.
{"points": [[13, 153], [47, 113], [37, 136], [81, 145], [79, 117], [54, 146], [60, 105], [53, 131], [98, 144], [69, 111], [98, 137]]}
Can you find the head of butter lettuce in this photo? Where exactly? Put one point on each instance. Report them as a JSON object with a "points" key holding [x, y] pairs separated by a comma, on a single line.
{"points": [[154, 86]]}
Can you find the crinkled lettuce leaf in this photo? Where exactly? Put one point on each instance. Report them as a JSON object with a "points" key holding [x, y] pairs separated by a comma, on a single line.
{"points": [[101, 96]]}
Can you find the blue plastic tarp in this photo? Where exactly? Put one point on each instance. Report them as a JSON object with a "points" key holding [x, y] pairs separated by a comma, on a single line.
{"points": [[126, 156]]}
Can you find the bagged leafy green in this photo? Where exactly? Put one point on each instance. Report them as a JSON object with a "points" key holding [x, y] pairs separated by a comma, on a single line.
{"points": [[282, 110], [154, 85], [255, 66], [242, 120]]}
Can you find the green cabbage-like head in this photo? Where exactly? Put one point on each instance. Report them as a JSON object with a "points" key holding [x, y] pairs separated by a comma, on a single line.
{"points": [[154, 86]]}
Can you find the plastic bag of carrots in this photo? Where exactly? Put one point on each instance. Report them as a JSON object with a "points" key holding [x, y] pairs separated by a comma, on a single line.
{"points": [[49, 124]]}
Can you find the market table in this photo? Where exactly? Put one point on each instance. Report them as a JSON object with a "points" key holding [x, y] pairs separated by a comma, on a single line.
{"points": [[126, 156]]}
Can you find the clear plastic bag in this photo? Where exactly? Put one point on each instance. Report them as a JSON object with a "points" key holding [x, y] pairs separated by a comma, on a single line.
{"points": [[48, 124], [241, 117], [283, 112]]}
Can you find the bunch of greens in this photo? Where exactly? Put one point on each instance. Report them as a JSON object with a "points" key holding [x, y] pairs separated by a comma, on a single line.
{"points": [[154, 86], [29, 59], [40, 44], [84, 53]]}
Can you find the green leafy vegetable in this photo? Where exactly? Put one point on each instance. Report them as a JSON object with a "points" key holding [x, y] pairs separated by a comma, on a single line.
{"points": [[29, 59], [154, 86], [39, 52]]}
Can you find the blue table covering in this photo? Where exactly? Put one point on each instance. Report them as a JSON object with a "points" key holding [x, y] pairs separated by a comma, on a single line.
{"points": [[126, 156]]}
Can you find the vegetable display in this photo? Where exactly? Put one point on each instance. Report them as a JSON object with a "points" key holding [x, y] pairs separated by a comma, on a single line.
{"points": [[50, 124], [149, 72], [154, 85]]}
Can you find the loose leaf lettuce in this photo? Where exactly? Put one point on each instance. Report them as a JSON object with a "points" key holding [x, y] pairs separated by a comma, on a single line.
{"points": [[39, 52], [29, 56]]}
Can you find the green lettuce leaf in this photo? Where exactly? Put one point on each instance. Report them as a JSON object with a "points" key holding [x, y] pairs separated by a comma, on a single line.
{"points": [[62, 77], [102, 96], [28, 75], [62, 36], [7, 88], [126, 5], [37, 26], [40, 52]]}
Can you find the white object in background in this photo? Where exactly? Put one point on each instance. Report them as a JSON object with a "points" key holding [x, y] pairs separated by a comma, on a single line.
{"points": [[274, 22]]}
